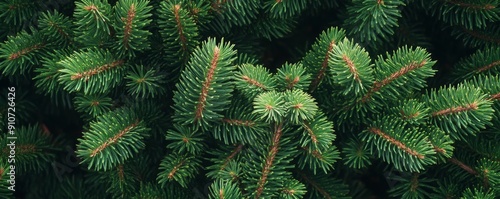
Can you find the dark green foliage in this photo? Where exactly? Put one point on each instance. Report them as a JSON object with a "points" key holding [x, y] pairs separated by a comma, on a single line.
{"points": [[93, 22], [91, 71], [250, 99], [121, 129], [459, 111], [33, 151], [143, 82], [205, 85], [132, 17], [19, 53]]}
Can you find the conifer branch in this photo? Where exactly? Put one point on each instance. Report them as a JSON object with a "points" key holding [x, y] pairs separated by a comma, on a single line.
{"points": [[254, 82], [482, 36], [128, 25], [114, 139], [206, 84], [454, 110], [231, 156], [379, 84], [324, 66], [94, 71], [489, 66], [494, 97], [273, 150], [316, 186], [180, 29], [247, 123], [470, 5], [351, 67], [463, 166], [23, 52], [393, 141]]}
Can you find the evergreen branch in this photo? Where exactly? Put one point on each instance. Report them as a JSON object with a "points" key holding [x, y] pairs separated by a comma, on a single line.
{"points": [[356, 154], [454, 110], [113, 139], [99, 69], [179, 32], [315, 186], [284, 8], [441, 142], [393, 141], [92, 18], [319, 159], [273, 150], [94, 71], [411, 110], [206, 84], [407, 149], [56, 27], [301, 106], [292, 76], [293, 189], [323, 186], [414, 187], [319, 55], [143, 82], [239, 125], [92, 105], [178, 167], [317, 133], [17, 13], [470, 14], [372, 21], [403, 71], [461, 102], [201, 101], [270, 106], [463, 166], [351, 68], [254, 79], [226, 164], [478, 37], [132, 17], [470, 5], [48, 74], [21, 52], [5, 192], [117, 129], [393, 72], [477, 193], [324, 66], [231, 156], [482, 36], [224, 189], [483, 62], [185, 139], [33, 150]]}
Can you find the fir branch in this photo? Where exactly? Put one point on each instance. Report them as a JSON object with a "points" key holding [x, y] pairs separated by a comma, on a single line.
{"points": [[454, 110], [132, 17], [315, 186], [273, 150], [463, 166], [396, 142], [206, 85], [19, 53], [93, 71], [319, 55], [201, 101], [461, 102], [403, 71], [120, 128]]}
